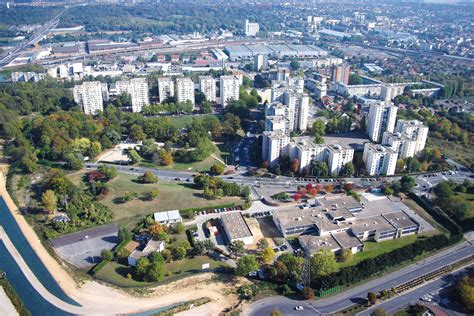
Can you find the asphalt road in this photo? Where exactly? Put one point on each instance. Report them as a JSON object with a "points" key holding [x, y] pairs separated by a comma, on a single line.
{"points": [[358, 294], [413, 297]]}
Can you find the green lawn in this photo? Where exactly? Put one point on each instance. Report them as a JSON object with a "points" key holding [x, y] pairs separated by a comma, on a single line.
{"points": [[460, 152], [425, 215], [468, 199], [171, 196], [197, 166], [373, 249], [116, 273]]}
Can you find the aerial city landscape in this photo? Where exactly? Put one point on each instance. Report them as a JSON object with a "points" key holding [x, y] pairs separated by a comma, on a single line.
{"points": [[211, 157]]}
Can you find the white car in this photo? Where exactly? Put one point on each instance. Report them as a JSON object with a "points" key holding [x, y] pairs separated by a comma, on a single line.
{"points": [[299, 308]]}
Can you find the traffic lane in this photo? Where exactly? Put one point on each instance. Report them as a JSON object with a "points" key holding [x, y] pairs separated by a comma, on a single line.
{"points": [[286, 306], [397, 279]]}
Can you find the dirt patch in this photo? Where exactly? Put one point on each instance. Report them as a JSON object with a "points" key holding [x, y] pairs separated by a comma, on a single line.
{"points": [[262, 228]]}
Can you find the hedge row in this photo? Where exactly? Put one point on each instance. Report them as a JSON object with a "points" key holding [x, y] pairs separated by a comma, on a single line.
{"points": [[116, 250], [14, 298]]}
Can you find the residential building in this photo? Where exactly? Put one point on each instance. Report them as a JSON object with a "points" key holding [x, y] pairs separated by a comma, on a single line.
{"points": [[165, 89], [340, 73], [274, 144], [185, 90], [138, 252], [207, 85], [137, 88], [168, 217], [338, 156], [260, 62], [229, 89], [415, 130], [90, 96], [236, 228], [401, 143], [379, 159], [298, 110], [251, 29], [390, 91], [382, 117]]}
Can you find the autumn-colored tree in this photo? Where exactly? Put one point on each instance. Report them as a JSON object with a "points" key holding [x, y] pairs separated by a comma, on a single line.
{"points": [[50, 201], [313, 192], [267, 255], [309, 186], [297, 197], [348, 186], [303, 191], [153, 194], [308, 293], [329, 188], [295, 165], [265, 164], [167, 158], [319, 187], [437, 154], [156, 229], [371, 298]]}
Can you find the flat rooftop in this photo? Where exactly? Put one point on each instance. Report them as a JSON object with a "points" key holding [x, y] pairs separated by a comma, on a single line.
{"points": [[313, 244], [377, 223], [400, 220], [347, 240], [355, 140], [91, 233], [235, 226]]}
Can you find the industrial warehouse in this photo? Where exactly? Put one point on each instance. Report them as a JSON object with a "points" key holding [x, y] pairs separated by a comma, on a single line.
{"points": [[248, 51]]}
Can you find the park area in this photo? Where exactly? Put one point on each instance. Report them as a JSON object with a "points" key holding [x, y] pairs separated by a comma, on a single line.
{"points": [[171, 196], [116, 273]]}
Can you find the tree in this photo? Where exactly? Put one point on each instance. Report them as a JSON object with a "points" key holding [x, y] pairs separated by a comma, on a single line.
{"points": [[378, 312], [246, 264], [124, 234], [178, 228], [387, 190], [74, 161], [443, 191], [237, 247], [148, 177], [217, 169], [167, 158], [136, 133], [319, 168], [156, 229], [267, 255], [262, 244], [153, 194], [371, 298], [465, 292], [109, 172], [276, 312], [400, 166], [355, 79], [329, 188], [323, 263], [133, 156], [178, 253], [407, 183], [295, 165], [295, 64], [142, 266], [347, 170], [106, 255], [308, 293], [156, 271], [50, 201], [345, 255]]}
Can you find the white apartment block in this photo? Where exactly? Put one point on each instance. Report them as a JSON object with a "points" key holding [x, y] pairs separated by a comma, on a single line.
{"points": [[91, 96], [298, 110], [229, 89], [277, 123], [415, 130], [273, 146], [382, 117], [251, 29], [137, 88], [338, 156], [207, 85], [185, 90], [390, 91], [379, 159], [165, 89], [401, 143]]}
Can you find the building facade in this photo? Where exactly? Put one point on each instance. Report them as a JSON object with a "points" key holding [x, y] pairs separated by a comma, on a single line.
{"points": [[185, 90], [379, 159], [207, 85], [340, 73], [382, 117], [165, 89], [251, 29], [229, 89], [91, 96], [415, 130]]}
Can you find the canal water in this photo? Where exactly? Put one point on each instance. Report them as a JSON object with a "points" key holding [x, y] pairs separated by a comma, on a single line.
{"points": [[32, 300]]}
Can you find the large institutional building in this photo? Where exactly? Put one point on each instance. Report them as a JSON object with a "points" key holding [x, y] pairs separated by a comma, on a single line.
{"points": [[229, 89], [91, 96]]}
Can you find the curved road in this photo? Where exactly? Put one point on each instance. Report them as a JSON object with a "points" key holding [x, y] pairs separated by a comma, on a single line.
{"points": [[347, 298]]}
